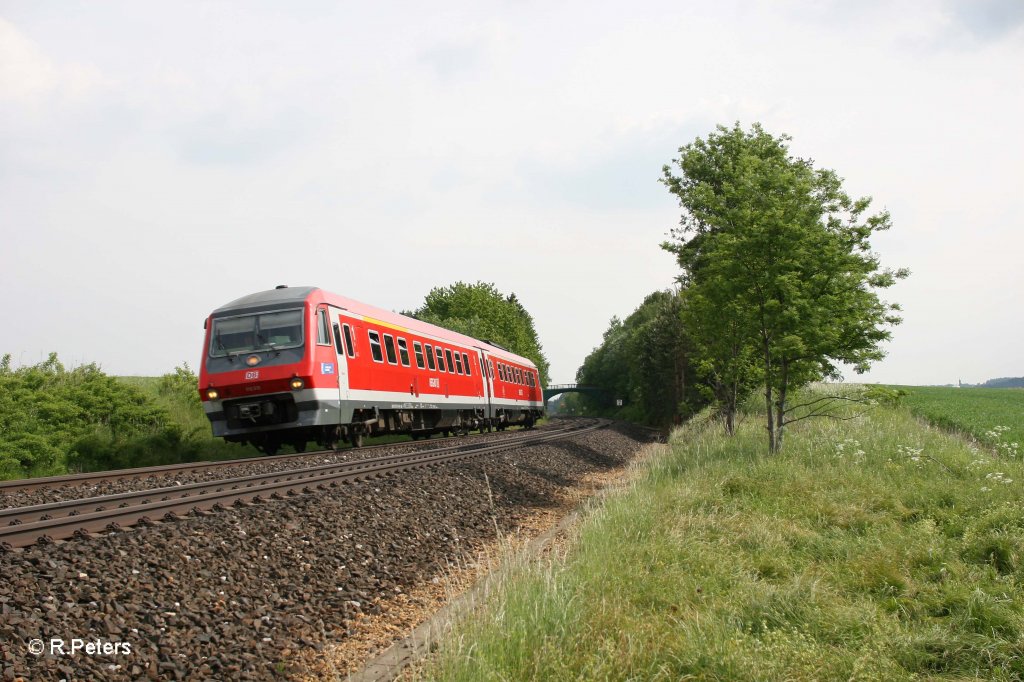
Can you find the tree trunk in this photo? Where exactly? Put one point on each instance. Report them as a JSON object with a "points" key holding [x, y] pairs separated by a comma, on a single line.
{"points": [[773, 445], [730, 413], [780, 404]]}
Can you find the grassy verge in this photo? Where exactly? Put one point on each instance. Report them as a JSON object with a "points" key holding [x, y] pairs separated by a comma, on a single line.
{"points": [[870, 549], [994, 416]]}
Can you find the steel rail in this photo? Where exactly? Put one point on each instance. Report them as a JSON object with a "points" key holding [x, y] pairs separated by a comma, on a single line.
{"points": [[211, 495], [20, 485]]}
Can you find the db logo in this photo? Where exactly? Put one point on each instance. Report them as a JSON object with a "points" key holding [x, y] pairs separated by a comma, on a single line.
{"points": [[255, 374]]}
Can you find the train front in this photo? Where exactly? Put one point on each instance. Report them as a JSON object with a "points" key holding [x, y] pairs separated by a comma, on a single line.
{"points": [[256, 368]]}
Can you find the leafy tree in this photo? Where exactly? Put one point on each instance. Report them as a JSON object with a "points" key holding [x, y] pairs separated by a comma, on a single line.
{"points": [[45, 409], [181, 385], [481, 311], [777, 265]]}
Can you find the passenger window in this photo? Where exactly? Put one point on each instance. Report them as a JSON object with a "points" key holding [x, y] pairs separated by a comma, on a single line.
{"points": [[465, 363], [448, 354], [348, 341], [403, 351], [375, 346], [323, 331], [458, 362], [389, 348], [490, 369], [440, 359], [430, 357], [417, 348]]}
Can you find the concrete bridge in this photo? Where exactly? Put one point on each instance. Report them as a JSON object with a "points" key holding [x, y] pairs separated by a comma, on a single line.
{"points": [[556, 389]]}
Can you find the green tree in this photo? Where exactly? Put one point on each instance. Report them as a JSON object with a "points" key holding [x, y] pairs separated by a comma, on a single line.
{"points": [[481, 311], [777, 256]]}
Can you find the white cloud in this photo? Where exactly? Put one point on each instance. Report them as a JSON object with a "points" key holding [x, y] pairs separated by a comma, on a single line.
{"points": [[25, 73]]}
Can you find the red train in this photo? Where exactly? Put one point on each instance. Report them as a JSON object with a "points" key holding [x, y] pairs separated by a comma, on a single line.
{"points": [[298, 364]]}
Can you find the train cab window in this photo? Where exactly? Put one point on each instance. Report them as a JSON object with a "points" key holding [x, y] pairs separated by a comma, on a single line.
{"points": [[323, 329], [375, 346], [458, 363], [389, 348], [417, 348], [448, 354], [430, 357], [465, 363], [440, 359], [403, 351], [349, 345]]}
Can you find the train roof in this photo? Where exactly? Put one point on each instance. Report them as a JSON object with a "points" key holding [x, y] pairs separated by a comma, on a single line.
{"points": [[288, 297], [274, 298]]}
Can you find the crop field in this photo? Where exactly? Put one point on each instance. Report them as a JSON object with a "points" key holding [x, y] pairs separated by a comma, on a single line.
{"points": [[994, 416]]}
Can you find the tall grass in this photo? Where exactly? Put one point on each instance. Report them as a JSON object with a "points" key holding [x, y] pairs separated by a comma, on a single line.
{"points": [[876, 548]]}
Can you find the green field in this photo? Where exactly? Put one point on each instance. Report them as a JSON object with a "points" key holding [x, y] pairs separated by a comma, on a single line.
{"points": [[874, 549], [993, 416]]}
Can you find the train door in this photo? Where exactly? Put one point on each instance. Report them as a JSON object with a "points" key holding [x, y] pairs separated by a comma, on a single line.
{"points": [[343, 351], [486, 376]]}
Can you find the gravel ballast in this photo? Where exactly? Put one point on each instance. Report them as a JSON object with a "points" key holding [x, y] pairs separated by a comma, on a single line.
{"points": [[237, 594]]}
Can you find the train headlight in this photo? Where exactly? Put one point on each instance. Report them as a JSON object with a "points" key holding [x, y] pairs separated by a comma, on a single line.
{"points": [[297, 383], [252, 360], [212, 393]]}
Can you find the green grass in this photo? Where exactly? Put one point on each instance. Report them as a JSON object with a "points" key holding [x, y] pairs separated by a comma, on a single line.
{"points": [[875, 548], [994, 416]]}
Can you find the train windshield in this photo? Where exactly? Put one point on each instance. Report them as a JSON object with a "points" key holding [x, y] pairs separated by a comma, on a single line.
{"points": [[262, 331]]}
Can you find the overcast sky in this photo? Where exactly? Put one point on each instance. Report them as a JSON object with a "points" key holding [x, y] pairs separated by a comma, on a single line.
{"points": [[159, 160]]}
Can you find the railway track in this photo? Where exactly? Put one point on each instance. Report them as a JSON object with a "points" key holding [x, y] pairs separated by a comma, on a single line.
{"points": [[96, 477], [45, 523]]}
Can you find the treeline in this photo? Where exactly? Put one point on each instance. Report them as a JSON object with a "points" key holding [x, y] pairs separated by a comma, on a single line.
{"points": [[55, 420], [646, 361], [778, 288], [1004, 382]]}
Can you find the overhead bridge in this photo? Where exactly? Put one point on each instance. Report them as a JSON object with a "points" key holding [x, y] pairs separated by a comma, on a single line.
{"points": [[553, 390]]}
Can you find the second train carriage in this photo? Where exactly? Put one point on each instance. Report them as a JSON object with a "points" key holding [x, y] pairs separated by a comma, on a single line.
{"points": [[298, 364]]}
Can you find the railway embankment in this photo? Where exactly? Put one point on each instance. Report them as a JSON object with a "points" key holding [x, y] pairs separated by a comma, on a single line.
{"points": [[253, 592], [873, 548]]}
